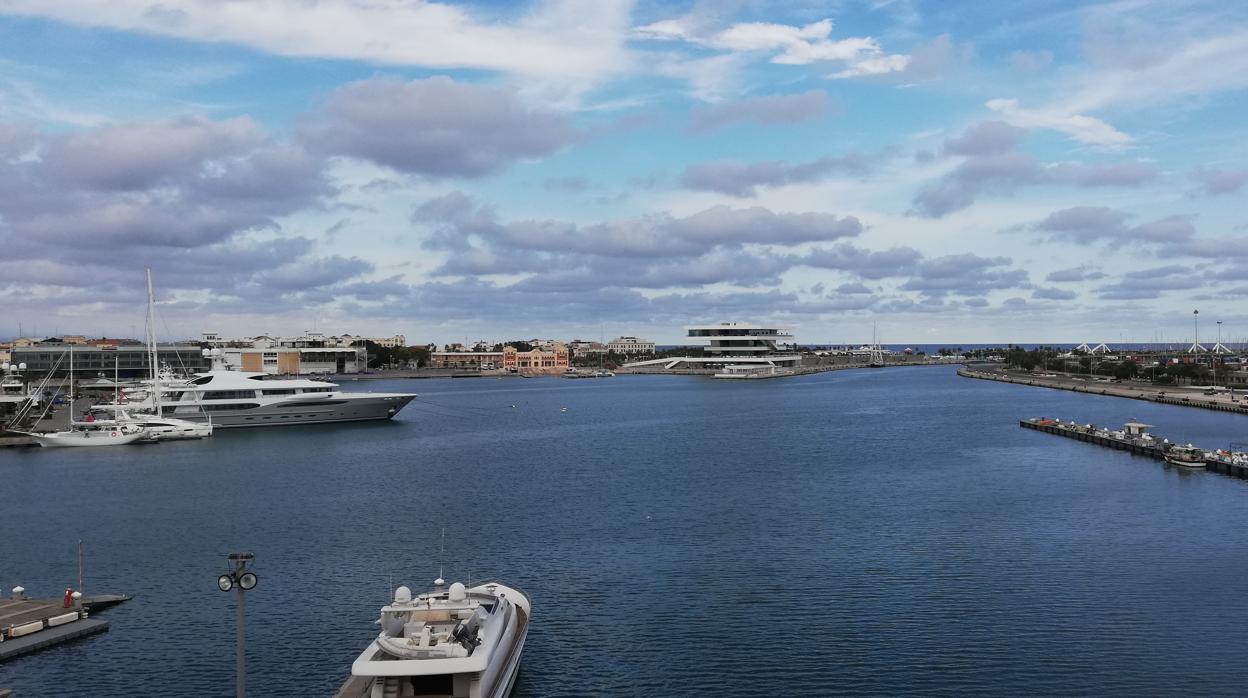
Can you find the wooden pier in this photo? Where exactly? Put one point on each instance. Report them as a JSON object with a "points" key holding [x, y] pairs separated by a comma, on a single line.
{"points": [[27, 625], [1091, 434]]}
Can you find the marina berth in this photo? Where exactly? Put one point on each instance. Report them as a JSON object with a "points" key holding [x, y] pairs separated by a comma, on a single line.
{"points": [[452, 642]]}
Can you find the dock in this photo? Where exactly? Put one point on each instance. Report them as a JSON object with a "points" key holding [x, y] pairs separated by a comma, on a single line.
{"points": [[28, 625], [1136, 442]]}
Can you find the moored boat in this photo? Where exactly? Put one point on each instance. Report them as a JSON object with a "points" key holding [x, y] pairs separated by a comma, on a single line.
{"points": [[1188, 456], [452, 642]]}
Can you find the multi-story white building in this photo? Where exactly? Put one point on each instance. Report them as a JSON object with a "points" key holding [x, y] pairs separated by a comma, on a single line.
{"points": [[630, 345], [738, 345]]}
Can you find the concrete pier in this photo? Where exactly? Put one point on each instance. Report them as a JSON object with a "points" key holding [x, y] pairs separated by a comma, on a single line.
{"points": [[1096, 435], [28, 625]]}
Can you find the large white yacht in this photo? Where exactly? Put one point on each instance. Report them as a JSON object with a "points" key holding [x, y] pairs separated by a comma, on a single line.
{"points": [[244, 399], [454, 642]]}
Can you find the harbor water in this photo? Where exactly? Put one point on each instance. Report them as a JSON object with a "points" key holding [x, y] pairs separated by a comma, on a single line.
{"points": [[858, 532]]}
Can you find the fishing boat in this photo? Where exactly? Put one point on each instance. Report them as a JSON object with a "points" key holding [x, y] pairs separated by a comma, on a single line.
{"points": [[452, 642], [1188, 456]]}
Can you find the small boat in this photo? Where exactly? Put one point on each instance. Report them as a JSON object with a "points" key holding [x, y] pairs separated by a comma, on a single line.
{"points": [[452, 642], [161, 428], [1188, 456]]}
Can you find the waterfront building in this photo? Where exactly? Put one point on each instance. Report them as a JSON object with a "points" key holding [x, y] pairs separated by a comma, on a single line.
{"points": [[630, 345], [466, 359], [296, 360], [92, 361], [511, 359], [734, 344], [581, 348]]}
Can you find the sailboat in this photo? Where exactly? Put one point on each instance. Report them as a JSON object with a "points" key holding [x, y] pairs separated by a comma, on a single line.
{"points": [[90, 432], [158, 425], [602, 371], [877, 353]]}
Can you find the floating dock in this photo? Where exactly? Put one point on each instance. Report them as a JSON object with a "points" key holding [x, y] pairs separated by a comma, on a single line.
{"points": [[27, 625], [1135, 440]]}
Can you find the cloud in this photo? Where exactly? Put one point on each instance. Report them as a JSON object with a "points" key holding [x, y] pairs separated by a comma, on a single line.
{"points": [[1218, 182], [965, 275], [1081, 273], [785, 44], [741, 179], [853, 288], [986, 138], [766, 110], [992, 164], [457, 221], [1150, 283], [1084, 129], [1088, 224], [1000, 173], [868, 264], [566, 183], [562, 44], [436, 127], [1053, 294]]}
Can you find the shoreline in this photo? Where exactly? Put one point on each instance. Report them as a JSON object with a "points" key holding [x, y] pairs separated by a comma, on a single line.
{"points": [[1185, 396]]}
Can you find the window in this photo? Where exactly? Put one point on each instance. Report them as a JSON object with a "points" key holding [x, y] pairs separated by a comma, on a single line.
{"points": [[229, 394], [232, 407], [283, 391]]}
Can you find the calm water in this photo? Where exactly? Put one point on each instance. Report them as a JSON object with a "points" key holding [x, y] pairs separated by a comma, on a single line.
{"points": [[887, 532]]}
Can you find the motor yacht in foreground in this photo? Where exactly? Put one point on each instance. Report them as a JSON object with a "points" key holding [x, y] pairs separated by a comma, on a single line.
{"points": [[454, 642], [240, 399]]}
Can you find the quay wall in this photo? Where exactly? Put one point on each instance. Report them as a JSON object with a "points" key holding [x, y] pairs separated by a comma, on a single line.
{"points": [[1111, 390]]}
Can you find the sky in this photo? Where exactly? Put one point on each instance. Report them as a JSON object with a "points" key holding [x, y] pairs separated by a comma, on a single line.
{"points": [[945, 171]]}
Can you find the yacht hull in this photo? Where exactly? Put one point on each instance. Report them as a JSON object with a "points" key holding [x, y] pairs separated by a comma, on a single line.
{"points": [[76, 439], [337, 408]]}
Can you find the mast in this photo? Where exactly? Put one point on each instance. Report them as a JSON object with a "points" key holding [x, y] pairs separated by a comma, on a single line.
{"points": [[151, 348], [80, 588]]}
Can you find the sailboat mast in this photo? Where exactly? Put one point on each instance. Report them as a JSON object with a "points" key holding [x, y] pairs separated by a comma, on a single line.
{"points": [[151, 348]]}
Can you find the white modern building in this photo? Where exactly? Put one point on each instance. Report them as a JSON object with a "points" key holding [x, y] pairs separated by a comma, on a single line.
{"points": [[734, 344], [630, 345]]}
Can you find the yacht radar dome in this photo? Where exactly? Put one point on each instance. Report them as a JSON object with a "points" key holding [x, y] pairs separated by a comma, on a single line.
{"points": [[402, 595], [457, 592]]}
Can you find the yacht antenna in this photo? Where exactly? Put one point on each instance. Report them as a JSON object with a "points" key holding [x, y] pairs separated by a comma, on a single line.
{"points": [[442, 554]]}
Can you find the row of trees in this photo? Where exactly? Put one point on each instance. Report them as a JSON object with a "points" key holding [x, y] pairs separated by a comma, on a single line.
{"points": [[1047, 359]]}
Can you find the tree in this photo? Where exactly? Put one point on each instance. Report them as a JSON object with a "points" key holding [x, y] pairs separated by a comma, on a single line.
{"points": [[1126, 370]]}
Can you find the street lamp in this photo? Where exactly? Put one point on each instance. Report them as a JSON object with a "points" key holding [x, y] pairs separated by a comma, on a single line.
{"points": [[244, 580]]}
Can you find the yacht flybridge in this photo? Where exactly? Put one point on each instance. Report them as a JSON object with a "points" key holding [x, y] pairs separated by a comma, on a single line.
{"points": [[454, 642], [242, 399]]}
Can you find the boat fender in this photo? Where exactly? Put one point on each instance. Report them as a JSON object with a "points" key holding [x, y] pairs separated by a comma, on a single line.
{"points": [[113, 434], [69, 599]]}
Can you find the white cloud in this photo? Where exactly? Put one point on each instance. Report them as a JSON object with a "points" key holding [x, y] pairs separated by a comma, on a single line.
{"points": [[787, 44], [564, 46], [1085, 129]]}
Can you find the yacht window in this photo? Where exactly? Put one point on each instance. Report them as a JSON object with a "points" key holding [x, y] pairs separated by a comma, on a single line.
{"points": [[233, 406], [318, 390], [229, 394], [202, 380], [283, 391]]}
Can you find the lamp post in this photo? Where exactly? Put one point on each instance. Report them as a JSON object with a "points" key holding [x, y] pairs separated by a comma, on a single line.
{"points": [[244, 580]]}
